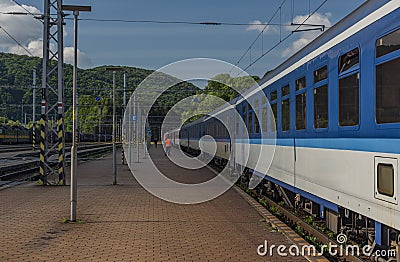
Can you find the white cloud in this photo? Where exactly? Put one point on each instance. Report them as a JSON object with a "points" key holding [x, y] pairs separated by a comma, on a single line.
{"points": [[307, 36], [257, 25], [83, 60], [35, 47], [29, 33], [22, 27]]}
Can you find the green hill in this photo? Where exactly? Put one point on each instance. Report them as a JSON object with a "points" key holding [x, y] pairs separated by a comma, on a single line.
{"points": [[16, 92]]}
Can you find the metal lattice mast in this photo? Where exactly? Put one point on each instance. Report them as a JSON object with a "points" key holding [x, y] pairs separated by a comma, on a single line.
{"points": [[52, 149]]}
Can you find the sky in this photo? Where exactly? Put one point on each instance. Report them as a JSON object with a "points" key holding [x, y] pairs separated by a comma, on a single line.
{"points": [[152, 46]]}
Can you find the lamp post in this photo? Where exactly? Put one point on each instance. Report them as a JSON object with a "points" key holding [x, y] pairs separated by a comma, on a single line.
{"points": [[123, 112], [74, 156], [34, 109], [99, 124], [114, 124], [124, 91]]}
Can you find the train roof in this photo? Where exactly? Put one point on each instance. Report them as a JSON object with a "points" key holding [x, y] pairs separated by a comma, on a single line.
{"points": [[201, 119], [357, 15]]}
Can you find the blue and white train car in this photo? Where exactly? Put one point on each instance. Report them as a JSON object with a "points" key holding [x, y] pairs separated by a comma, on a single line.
{"points": [[337, 110], [336, 105]]}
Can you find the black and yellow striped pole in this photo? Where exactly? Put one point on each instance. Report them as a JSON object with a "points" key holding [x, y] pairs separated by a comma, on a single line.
{"points": [[43, 129], [34, 137], [60, 128], [123, 155]]}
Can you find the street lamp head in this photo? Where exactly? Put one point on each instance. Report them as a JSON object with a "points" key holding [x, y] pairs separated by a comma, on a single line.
{"points": [[114, 68], [80, 8]]}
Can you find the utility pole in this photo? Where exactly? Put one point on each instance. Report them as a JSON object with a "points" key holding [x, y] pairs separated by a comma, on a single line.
{"points": [[34, 110], [120, 130], [52, 97], [123, 112], [100, 124], [22, 110], [138, 130], [74, 150], [130, 135], [77, 114], [114, 124], [145, 134], [113, 133], [124, 91]]}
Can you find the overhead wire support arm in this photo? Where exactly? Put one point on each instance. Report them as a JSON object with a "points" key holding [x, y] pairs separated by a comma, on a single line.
{"points": [[15, 13], [317, 27], [321, 27], [259, 35]]}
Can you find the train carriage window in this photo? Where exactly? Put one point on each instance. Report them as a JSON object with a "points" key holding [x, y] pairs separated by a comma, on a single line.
{"points": [[387, 92], [349, 100], [321, 107], [385, 179], [300, 83], [349, 60], [301, 111], [274, 119], [264, 119], [387, 44], [321, 74], [285, 115], [250, 122], [273, 95], [256, 122], [264, 114], [285, 90], [244, 111]]}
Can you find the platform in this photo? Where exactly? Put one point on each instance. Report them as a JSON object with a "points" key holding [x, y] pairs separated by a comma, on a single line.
{"points": [[126, 223]]}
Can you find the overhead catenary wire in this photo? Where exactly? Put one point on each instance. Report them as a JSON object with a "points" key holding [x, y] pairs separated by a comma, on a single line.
{"points": [[16, 41], [208, 23], [260, 34], [26, 9], [19, 13], [281, 40], [175, 22]]}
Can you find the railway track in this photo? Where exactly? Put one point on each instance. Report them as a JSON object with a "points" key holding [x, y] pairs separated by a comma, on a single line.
{"points": [[14, 148], [309, 231], [299, 224], [26, 165]]}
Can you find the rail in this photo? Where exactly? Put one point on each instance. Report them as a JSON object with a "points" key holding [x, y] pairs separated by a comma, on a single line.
{"points": [[25, 169]]}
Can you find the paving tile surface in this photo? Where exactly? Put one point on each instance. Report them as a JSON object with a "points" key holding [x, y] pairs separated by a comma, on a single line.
{"points": [[126, 223]]}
